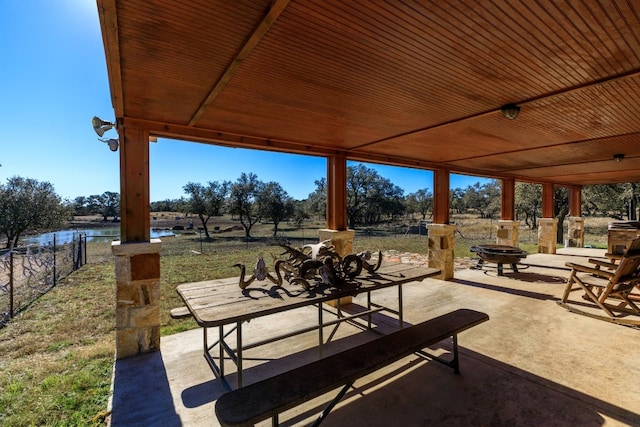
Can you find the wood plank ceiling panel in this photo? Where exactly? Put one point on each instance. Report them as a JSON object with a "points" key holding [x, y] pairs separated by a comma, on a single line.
{"points": [[415, 83], [593, 112], [565, 154], [171, 63]]}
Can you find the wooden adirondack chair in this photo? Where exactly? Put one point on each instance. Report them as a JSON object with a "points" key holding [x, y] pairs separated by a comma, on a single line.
{"points": [[607, 285]]}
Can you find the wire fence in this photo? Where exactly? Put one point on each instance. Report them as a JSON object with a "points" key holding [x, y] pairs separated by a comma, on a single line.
{"points": [[27, 272]]}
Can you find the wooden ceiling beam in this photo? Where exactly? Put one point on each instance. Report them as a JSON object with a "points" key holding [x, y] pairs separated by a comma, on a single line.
{"points": [[109, 24], [180, 132], [270, 17]]}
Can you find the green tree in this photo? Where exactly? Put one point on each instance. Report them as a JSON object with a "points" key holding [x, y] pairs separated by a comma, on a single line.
{"points": [[81, 206], [300, 212], [484, 198], [275, 204], [171, 205], [316, 203], [106, 204], [421, 201], [456, 200], [370, 197], [561, 209], [206, 201], [243, 200], [615, 200], [28, 204], [528, 203]]}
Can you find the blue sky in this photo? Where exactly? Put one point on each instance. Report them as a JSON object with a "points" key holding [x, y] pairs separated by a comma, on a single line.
{"points": [[53, 80]]}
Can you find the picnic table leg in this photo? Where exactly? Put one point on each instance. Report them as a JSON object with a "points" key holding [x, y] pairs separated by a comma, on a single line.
{"points": [[455, 362], [320, 330], [400, 316], [500, 271], [220, 349], [239, 352], [515, 268], [369, 309], [332, 404]]}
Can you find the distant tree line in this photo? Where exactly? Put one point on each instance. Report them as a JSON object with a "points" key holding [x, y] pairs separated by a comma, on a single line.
{"points": [[372, 199], [106, 204], [27, 204]]}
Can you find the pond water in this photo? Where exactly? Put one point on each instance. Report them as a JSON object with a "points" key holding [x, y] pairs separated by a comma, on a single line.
{"points": [[102, 235]]}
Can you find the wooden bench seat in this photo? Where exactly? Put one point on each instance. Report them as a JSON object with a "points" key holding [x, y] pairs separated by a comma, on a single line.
{"points": [[268, 398], [180, 313]]}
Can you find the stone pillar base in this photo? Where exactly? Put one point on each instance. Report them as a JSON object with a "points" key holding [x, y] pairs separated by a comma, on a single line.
{"points": [[508, 233], [342, 240], [441, 249], [137, 297], [547, 232], [575, 239]]}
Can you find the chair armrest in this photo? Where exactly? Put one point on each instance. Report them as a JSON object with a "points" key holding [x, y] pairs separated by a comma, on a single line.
{"points": [[601, 263], [614, 257], [591, 270]]}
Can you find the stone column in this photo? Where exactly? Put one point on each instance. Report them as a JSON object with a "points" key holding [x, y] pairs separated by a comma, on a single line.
{"points": [[576, 232], [137, 297], [547, 232], [441, 249], [508, 233], [342, 240]]}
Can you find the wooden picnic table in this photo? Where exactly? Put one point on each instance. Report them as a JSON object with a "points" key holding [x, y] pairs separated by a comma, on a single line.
{"points": [[221, 302]]}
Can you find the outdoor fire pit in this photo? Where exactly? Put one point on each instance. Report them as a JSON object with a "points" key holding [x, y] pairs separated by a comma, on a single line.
{"points": [[499, 254]]}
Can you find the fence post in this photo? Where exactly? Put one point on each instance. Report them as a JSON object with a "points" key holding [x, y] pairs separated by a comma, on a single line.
{"points": [[11, 283], [78, 262], [54, 260]]}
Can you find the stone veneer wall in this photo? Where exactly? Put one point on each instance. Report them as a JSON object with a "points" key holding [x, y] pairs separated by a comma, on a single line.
{"points": [[576, 232], [508, 233], [137, 269], [547, 229], [441, 249]]}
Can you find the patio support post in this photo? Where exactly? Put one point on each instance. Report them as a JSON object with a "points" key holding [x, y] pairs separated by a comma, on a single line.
{"points": [[547, 225], [508, 197], [337, 228], [441, 233], [137, 257], [441, 196], [575, 239], [507, 229]]}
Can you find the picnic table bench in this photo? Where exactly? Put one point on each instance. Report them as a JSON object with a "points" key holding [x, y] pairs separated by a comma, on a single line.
{"points": [[268, 398]]}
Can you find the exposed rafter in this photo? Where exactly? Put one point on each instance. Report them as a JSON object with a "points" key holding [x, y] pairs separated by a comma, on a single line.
{"points": [[269, 18]]}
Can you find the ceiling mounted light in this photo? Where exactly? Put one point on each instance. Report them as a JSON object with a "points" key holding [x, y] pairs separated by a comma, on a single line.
{"points": [[510, 111], [100, 126], [618, 157], [112, 143]]}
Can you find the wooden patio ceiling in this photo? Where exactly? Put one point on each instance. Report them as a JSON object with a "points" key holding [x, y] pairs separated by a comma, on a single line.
{"points": [[410, 83]]}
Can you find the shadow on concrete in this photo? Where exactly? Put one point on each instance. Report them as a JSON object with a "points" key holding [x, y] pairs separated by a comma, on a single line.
{"points": [[513, 291], [149, 393], [488, 392], [207, 392]]}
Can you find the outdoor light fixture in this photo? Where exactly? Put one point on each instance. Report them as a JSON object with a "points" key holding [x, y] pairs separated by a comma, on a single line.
{"points": [[618, 157], [112, 143], [100, 126], [510, 111]]}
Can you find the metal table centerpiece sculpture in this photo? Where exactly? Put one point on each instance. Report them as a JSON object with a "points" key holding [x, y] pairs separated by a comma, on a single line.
{"points": [[312, 265]]}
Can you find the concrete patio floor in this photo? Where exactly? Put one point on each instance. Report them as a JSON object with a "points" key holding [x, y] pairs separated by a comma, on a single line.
{"points": [[532, 364]]}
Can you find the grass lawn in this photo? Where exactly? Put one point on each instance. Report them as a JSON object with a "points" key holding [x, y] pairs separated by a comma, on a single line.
{"points": [[57, 356]]}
